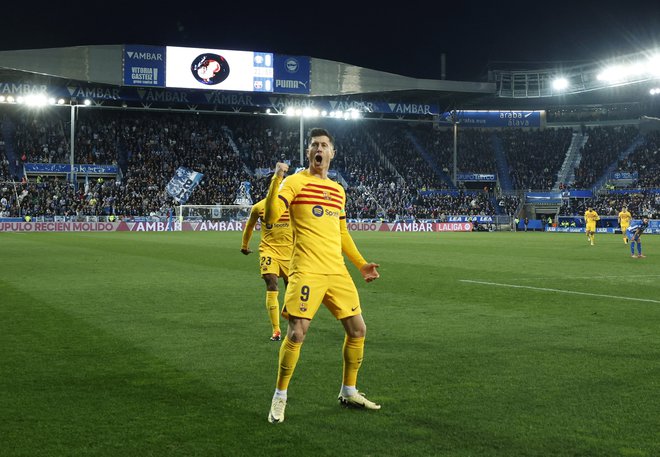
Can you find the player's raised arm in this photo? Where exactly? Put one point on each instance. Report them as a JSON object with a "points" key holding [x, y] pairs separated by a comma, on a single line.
{"points": [[275, 207]]}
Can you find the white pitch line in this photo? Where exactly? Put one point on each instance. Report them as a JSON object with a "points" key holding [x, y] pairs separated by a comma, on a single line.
{"points": [[515, 286], [588, 277]]}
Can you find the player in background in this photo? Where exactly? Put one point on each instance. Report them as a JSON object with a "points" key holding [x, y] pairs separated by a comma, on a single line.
{"points": [[590, 218], [274, 256], [624, 222], [318, 274], [634, 234]]}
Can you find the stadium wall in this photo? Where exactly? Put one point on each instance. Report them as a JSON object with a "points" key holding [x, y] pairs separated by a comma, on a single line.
{"points": [[217, 226], [238, 226]]}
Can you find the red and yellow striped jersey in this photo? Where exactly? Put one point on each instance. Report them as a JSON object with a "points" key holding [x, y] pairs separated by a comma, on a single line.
{"points": [[316, 207]]}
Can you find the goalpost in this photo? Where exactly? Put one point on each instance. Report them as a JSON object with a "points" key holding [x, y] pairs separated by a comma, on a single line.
{"points": [[238, 212], [215, 213]]}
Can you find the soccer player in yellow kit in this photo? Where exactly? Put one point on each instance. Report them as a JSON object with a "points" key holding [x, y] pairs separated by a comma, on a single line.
{"points": [[317, 272], [624, 222], [274, 255], [590, 218]]}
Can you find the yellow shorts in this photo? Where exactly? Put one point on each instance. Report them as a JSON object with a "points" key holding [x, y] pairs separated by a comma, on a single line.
{"points": [[272, 265], [306, 292], [624, 227], [591, 227]]}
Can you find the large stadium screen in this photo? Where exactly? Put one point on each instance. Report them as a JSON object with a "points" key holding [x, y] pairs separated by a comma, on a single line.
{"points": [[218, 69]]}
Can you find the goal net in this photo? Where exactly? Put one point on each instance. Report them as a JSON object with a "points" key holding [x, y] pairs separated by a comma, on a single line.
{"points": [[214, 213]]}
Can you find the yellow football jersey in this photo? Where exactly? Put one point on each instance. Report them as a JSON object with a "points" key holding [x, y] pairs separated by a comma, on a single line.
{"points": [[625, 217], [276, 239], [591, 217], [316, 207]]}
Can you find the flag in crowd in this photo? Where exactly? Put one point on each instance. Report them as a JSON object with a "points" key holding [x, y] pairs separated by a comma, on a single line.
{"points": [[183, 183]]}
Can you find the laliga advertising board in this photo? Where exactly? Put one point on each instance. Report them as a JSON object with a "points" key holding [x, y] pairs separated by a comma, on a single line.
{"points": [[217, 226], [218, 69]]}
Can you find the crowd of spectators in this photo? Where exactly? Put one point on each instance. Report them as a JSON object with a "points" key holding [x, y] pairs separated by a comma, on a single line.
{"points": [[603, 147], [645, 161], [535, 157], [509, 204], [475, 146], [391, 170], [440, 205], [640, 203]]}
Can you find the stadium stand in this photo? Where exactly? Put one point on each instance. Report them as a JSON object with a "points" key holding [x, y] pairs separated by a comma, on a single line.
{"points": [[396, 167], [152, 145]]}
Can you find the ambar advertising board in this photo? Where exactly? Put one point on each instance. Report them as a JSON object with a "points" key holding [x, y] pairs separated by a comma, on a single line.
{"points": [[144, 65]]}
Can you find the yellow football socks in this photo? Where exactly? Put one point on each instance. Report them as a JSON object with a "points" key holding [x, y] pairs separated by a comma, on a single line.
{"points": [[353, 351], [289, 354], [273, 307]]}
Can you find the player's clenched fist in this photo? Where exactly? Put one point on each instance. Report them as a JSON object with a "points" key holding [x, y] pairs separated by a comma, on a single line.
{"points": [[280, 169]]}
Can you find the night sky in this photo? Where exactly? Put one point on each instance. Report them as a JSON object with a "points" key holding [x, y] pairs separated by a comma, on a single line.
{"points": [[407, 39]]}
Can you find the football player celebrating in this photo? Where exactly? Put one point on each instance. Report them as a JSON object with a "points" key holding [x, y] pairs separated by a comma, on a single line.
{"points": [[317, 272]]}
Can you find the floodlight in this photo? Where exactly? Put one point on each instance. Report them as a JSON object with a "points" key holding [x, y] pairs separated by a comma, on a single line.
{"points": [[309, 112], [560, 84], [654, 66], [35, 100]]}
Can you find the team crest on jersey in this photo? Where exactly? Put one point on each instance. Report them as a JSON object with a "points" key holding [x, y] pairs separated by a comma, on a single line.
{"points": [[326, 195], [317, 211]]}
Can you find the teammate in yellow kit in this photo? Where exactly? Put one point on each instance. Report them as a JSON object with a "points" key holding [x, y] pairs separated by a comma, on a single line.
{"points": [[317, 272], [274, 255], [590, 218], [624, 222]]}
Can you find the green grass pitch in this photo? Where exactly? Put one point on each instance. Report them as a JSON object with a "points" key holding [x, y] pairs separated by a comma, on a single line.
{"points": [[478, 344]]}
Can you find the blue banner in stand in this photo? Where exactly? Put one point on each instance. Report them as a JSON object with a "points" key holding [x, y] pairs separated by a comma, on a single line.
{"points": [[63, 168], [490, 119], [476, 177], [183, 183], [144, 66]]}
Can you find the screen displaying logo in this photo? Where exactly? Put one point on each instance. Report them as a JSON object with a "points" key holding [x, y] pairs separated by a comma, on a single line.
{"points": [[218, 69], [210, 68]]}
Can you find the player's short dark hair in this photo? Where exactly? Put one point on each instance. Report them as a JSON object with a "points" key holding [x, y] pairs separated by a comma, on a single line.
{"points": [[317, 131]]}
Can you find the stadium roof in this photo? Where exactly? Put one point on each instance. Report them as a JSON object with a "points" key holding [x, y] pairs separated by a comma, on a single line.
{"points": [[104, 65]]}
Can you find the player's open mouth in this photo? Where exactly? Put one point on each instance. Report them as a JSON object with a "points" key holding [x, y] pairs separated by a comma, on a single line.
{"points": [[318, 158]]}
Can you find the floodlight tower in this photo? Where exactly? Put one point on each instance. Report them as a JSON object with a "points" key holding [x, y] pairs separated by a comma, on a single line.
{"points": [[74, 114], [72, 142], [455, 121]]}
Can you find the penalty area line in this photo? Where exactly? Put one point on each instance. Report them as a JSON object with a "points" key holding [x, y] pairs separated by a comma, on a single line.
{"points": [[562, 291]]}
